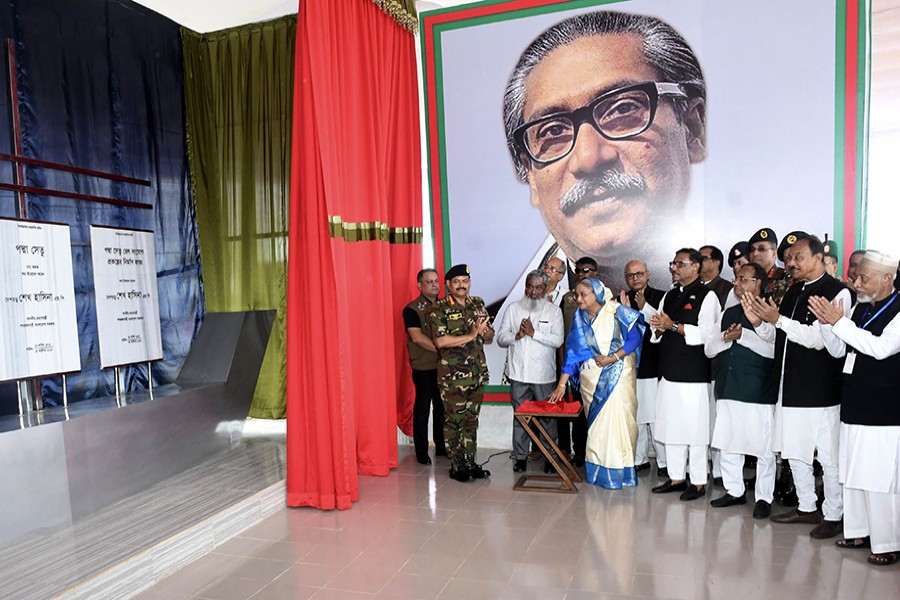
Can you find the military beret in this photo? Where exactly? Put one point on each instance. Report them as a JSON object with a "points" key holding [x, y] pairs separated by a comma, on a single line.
{"points": [[831, 249], [763, 235], [739, 250], [457, 271], [789, 240]]}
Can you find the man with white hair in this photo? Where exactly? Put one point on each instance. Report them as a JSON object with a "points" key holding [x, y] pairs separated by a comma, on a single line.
{"points": [[870, 411], [532, 329]]}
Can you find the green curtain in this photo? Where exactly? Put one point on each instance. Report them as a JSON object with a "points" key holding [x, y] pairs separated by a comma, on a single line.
{"points": [[239, 95]]}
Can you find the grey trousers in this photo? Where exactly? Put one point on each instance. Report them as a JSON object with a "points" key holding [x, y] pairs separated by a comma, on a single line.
{"points": [[521, 392]]}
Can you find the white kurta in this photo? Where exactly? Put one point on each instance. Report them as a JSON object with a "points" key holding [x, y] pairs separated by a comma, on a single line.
{"points": [[870, 458], [796, 431], [742, 427], [869, 455], [646, 388], [682, 409]]}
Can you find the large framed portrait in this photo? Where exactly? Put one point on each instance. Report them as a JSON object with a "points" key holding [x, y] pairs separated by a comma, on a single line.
{"points": [[629, 129]]}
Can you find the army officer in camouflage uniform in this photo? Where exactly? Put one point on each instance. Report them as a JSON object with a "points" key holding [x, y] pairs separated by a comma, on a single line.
{"points": [[460, 327]]}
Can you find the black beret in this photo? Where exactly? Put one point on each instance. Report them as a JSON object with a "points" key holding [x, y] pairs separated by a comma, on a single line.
{"points": [[763, 235], [789, 240], [739, 250], [457, 271]]}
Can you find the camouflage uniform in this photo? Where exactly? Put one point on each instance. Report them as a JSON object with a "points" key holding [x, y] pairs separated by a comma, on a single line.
{"points": [[779, 282], [462, 375]]}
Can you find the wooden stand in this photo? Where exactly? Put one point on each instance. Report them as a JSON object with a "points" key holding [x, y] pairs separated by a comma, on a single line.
{"points": [[565, 472]]}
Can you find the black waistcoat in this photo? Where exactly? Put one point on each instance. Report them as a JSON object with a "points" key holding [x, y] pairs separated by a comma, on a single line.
{"points": [[812, 378], [872, 392], [678, 361], [649, 367], [741, 373]]}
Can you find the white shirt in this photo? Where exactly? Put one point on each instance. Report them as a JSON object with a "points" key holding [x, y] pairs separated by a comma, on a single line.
{"points": [[532, 359], [751, 340], [809, 336], [878, 347], [707, 320], [554, 296]]}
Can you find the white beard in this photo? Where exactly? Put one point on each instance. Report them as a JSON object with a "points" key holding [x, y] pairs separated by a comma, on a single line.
{"points": [[532, 304]]}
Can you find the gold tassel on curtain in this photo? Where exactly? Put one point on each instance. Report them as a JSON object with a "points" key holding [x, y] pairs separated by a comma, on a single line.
{"points": [[239, 86], [402, 11]]}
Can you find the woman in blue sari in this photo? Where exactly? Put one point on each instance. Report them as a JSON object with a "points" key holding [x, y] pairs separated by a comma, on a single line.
{"points": [[602, 354]]}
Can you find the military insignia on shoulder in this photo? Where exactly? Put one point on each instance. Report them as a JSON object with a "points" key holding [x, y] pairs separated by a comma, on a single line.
{"points": [[422, 305]]}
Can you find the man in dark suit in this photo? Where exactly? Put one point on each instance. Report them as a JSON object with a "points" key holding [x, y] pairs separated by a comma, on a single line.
{"points": [[642, 297], [711, 271]]}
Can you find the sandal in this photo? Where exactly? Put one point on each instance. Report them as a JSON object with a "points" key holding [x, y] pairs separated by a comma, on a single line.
{"points": [[854, 543], [884, 559]]}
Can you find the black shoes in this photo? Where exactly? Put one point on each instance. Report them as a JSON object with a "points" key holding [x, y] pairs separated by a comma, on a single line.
{"points": [[718, 481], [692, 493], [460, 474], [762, 509], [578, 461], [548, 468], [798, 516], [669, 487], [827, 529], [423, 459], [662, 472], [475, 469], [729, 500], [642, 467], [520, 466]]}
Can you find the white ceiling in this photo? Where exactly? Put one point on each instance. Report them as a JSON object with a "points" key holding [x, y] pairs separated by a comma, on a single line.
{"points": [[213, 15]]}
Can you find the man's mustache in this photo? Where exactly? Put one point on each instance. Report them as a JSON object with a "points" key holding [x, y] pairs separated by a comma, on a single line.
{"points": [[611, 181]]}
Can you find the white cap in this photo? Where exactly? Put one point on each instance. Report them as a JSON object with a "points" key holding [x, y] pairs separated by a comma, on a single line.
{"points": [[877, 261]]}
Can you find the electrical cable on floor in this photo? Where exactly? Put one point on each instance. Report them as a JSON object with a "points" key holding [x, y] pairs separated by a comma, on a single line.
{"points": [[509, 452]]}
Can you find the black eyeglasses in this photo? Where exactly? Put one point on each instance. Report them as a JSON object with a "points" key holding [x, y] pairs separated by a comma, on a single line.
{"points": [[585, 269], [617, 115], [635, 275], [679, 263]]}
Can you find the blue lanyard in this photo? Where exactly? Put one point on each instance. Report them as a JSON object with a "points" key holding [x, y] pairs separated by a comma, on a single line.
{"points": [[875, 316]]}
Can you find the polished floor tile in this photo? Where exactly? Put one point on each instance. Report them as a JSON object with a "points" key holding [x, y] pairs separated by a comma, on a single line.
{"points": [[417, 535]]}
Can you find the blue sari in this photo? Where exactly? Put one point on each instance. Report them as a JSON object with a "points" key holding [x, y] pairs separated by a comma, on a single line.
{"points": [[582, 346]]}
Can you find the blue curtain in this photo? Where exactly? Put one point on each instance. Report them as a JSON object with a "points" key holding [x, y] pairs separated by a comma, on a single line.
{"points": [[101, 86]]}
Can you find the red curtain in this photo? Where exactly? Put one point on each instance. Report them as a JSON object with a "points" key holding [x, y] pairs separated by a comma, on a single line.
{"points": [[355, 192]]}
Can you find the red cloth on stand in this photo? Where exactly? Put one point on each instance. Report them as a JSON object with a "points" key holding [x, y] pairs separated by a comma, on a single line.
{"points": [[543, 406]]}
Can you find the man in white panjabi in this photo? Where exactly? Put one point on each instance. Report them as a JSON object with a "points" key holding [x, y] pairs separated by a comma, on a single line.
{"points": [[640, 296], [532, 330], [745, 393], [688, 316], [809, 374], [870, 411]]}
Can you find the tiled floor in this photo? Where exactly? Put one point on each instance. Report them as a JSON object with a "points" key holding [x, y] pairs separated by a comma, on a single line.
{"points": [[52, 561], [417, 534]]}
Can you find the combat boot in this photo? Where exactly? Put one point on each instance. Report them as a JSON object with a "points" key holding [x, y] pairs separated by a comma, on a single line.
{"points": [[785, 483], [474, 469], [459, 470]]}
